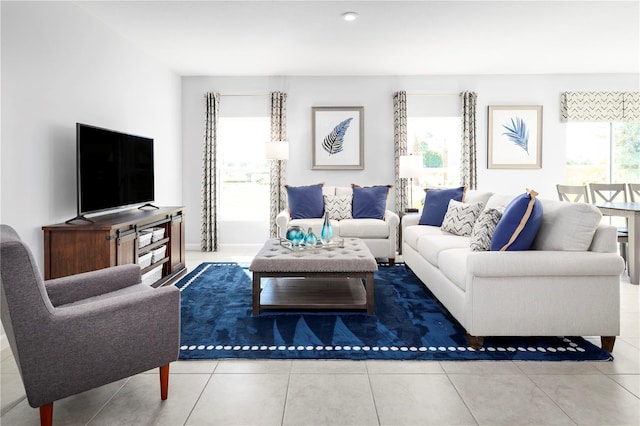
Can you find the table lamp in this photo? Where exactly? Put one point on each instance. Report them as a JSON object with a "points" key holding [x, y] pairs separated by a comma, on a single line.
{"points": [[410, 167]]}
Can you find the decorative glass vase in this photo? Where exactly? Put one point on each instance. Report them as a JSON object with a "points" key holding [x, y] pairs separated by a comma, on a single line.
{"points": [[311, 239], [327, 231], [296, 235]]}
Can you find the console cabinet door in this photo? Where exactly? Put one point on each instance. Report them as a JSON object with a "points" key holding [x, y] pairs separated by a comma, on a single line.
{"points": [[177, 243], [126, 249]]}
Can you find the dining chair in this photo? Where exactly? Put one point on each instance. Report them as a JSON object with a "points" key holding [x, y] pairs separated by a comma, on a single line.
{"points": [[573, 193], [612, 192], [75, 333], [634, 192]]}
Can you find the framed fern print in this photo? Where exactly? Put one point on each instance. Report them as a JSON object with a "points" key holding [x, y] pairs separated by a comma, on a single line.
{"points": [[515, 137], [338, 138]]}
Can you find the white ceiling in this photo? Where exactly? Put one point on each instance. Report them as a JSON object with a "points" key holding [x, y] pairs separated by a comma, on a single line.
{"points": [[389, 37]]}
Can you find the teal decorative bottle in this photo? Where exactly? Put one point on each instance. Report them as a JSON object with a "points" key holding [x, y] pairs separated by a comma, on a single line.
{"points": [[327, 231], [310, 239]]}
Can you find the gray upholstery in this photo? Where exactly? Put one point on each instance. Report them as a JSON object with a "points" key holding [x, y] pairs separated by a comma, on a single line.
{"points": [[76, 333]]}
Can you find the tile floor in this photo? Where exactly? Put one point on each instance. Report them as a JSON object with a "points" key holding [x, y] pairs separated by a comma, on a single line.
{"points": [[359, 392]]}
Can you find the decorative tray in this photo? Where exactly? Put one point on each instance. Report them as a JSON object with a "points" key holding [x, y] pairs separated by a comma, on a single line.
{"points": [[335, 243]]}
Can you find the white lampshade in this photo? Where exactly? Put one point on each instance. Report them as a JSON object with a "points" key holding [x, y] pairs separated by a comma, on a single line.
{"points": [[277, 150], [410, 166]]}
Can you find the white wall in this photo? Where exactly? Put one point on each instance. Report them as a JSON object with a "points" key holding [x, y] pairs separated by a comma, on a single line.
{"points": [[61, 66], [375, 94]]}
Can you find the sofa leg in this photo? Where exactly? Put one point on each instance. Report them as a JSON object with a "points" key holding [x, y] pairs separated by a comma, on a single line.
{"points": [[607, 343], [46, 414], [475, 342], [392, 261]]}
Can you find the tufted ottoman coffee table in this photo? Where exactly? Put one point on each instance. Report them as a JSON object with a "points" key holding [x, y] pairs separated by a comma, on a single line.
{"points": [[318, 278]]}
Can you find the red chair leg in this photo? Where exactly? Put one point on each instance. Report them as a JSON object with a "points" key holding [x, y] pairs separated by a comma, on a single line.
{"points": [[164, 382], [46, 414]]}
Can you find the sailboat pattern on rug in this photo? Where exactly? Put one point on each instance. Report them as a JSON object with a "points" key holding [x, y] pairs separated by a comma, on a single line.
{"points": [[409, 323]]}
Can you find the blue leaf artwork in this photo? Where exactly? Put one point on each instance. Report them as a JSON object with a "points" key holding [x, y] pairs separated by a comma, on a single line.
{"points": [[333, 142], [518, 133]]}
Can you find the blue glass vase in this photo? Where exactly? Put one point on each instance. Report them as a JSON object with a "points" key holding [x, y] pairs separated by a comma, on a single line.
{"points": [[311, 239], [296, 235], [327, 231]]}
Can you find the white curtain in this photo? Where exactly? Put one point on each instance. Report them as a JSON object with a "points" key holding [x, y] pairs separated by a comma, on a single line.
{"points": [[277, 170], [209, 208], [468, 159]]}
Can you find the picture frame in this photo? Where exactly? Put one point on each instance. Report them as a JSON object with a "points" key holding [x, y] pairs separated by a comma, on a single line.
{"points": [[337, 138], [514, 137]]}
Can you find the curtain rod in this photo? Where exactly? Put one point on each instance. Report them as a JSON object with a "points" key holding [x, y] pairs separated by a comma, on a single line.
{"points": [[433, 94], [247, 95]]}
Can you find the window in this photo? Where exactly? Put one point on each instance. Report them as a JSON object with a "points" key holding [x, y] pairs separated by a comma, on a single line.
{"points": [[243, 169], [437, 140], [600, 152]]}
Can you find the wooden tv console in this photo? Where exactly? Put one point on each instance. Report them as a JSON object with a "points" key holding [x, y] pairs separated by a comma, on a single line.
{"points": [[113, 239]]}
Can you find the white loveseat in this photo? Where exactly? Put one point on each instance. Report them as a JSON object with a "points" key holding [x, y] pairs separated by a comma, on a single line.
{"points": [[568, 284], [379, 235]]}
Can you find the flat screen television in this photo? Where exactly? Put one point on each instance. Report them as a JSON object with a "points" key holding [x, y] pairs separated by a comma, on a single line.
{"points": [[114, 169]]}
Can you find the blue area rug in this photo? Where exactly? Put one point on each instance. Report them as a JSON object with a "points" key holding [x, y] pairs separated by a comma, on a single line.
{"points": [[409, 323]]}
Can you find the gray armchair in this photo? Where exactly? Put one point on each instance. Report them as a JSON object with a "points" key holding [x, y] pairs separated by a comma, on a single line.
{"points": [[76, 333]]}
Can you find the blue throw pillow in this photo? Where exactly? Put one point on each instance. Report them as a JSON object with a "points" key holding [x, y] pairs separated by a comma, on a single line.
{"points": [[436, 203], [369, 202], [305, 201], [519, 224]]}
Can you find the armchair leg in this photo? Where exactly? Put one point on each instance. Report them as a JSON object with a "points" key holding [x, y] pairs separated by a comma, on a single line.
{"points": [[164, 382], [46, 414], [392, 261]]}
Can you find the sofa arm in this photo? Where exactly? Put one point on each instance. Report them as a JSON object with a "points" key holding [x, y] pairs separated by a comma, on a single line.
{"points": [[282, 221], [391, 218], [543, 263], [64, 290]]}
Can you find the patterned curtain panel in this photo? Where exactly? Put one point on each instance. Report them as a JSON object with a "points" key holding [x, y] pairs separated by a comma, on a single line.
{"points": [[468, 160], [400, 146], [209, 231], [600, 106], [277, 171]]}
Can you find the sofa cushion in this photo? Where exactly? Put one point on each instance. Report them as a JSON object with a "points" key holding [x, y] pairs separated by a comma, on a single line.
{"points": [[436, 203], [338, 206], [461, 217], [369, 202], [483, 229], [567, 226], [430, 246], [305, 201], [519, 223], [453, 265], [364, 228], [411, 234]]}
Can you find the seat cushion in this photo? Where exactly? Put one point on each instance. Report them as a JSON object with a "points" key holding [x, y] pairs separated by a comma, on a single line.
{"points": [[411, 234], [430, 246], [364, 228], [453, 265]]}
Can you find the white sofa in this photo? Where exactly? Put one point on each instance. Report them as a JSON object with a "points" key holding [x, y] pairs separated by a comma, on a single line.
{"points": [[568, 284], [380, 235]]}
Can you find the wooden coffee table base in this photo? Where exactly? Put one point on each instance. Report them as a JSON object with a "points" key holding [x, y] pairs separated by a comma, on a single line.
{"points": [[313, 291]]}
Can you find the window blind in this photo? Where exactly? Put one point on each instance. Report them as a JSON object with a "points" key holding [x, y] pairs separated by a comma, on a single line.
{"points": [[600, 106]]}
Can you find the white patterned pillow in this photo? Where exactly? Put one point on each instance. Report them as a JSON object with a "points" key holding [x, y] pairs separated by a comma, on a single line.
{"points": [[460, 217], [483, 229], [338, 206]]}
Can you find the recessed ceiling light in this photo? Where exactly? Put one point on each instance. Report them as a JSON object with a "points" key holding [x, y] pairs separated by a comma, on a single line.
{"points": [[350, 16]]}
